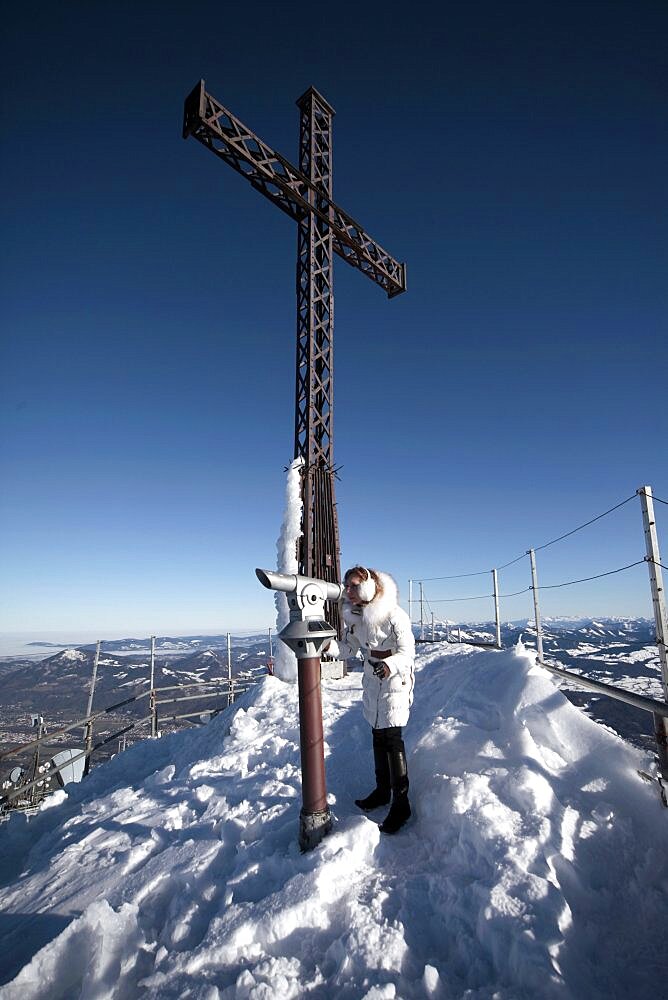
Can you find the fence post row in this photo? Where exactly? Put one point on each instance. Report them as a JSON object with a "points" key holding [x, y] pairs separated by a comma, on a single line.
{"points": [[654, 565], [660, 618]]}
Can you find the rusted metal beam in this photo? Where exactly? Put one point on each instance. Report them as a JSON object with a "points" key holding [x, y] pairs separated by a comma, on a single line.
{"points": [[214, 125]]}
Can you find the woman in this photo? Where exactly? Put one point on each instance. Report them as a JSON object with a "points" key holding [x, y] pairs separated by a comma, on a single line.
{"points": [[375, 625]]}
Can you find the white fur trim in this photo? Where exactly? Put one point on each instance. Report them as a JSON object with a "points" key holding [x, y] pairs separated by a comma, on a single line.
{"points": [[367, 589], [379, 608], [383, 603]]}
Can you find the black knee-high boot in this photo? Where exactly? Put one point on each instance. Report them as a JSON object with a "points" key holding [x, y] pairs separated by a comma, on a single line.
{"points": [[381, 794], [400, 809]]}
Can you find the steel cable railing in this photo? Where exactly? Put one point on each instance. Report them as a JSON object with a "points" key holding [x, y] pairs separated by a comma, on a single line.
{"points": [[658, 709]]}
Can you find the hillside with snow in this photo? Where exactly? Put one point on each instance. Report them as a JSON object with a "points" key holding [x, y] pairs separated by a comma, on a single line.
{"points": [[536, 864]]}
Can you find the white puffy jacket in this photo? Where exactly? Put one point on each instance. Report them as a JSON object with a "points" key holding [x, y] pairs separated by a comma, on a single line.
{"points": [[382, 625]]}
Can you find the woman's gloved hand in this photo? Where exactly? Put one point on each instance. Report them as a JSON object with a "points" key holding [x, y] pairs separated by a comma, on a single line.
{"points": [[381, 670]]}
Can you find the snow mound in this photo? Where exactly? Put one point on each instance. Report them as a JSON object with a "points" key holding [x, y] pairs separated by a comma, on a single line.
{"points": [[535, 865]]}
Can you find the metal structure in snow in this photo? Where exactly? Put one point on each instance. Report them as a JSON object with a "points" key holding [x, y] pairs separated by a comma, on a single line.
{"points": [[323, 229], [307, 634]]}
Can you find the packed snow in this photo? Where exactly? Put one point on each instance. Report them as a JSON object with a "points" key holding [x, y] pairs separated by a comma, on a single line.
{"points": [[536, 864], [72, 654]]}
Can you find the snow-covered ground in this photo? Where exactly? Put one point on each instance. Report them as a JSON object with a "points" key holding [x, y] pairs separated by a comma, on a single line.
{"points": [[536, 864]]}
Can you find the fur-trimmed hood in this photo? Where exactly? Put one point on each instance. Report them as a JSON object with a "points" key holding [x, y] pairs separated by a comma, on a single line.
{"points": [[379, 609]]}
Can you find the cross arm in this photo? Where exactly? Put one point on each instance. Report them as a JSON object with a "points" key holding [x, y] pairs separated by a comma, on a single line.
{"points": [[271, 174]]}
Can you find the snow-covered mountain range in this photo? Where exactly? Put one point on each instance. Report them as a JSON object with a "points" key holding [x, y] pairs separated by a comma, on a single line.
{"points": [[61, 681], [621, 651]]}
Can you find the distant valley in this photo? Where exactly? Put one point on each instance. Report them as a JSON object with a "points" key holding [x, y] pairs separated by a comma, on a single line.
{"points": [[621, 651]]}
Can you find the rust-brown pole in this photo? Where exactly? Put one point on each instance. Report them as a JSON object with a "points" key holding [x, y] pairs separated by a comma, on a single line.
{"points": [[314, 818], [314, 791]]}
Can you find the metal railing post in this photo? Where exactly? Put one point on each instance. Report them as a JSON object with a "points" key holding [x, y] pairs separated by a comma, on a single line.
{"points": [[230, 692], [89, 707], [34, 794], [88, 729], [88, 747], [153, 701], [536, 608], [421, 611], [653, 560], [433, 635], [410, 600], [497, 616]]}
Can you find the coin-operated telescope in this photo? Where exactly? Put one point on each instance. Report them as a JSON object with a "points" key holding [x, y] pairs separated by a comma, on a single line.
{"points": [[306, 634], [307, 631]]}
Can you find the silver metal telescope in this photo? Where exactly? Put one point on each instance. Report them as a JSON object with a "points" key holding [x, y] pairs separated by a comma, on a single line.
{"points": [[306, 587]]}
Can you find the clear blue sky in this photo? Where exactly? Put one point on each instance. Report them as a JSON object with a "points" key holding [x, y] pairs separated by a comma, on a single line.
{"points": [[514, 155]]}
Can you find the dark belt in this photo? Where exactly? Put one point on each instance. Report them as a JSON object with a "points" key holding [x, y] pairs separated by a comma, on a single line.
{"points": [[380, 654]]}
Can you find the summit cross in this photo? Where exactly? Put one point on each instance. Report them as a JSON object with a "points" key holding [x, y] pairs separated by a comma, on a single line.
{"points": [[305, 194]]}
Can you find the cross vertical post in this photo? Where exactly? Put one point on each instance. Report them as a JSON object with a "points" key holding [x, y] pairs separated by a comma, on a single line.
{"points": [[304, 193], [314, 393]]}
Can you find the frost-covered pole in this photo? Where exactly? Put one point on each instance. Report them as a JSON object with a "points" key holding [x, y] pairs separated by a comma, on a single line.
{"points": [[421, 612], [433, 634], [534, 587], [653, 559], [287, 544], [88, 731], [410, 600], [497, 618]]}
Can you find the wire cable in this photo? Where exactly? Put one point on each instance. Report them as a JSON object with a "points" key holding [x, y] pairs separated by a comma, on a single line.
{"points": [[453, 600], [512, 562], [656, 563], [660, 500], [525, 591], [460, 576], [586, 524], [457, 576], [568, 583]]}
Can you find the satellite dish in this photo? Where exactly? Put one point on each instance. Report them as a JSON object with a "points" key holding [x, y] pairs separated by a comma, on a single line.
{"points": [[65, 769], [15, 774]]}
